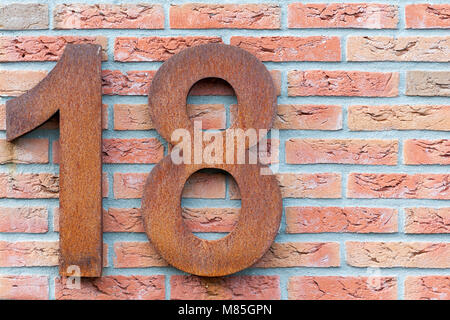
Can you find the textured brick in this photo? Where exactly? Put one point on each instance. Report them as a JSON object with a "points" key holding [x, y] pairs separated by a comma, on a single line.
{"points": [[399, 185], [427, 288], [428, 83], [427, 220], [127, 49], [24, 150], [23, 16], [308, 117], [313, 48], [2, 117], [426, 16], [199, 185], [3, 185], [342, 83], [419, 151], [108, 16], [398, 254], [435, 49], [43, 48], [137, 255], [401, 117], [114, 287], [225, 288], [310, 185], [335, 219], [24, 219], [225, 16], [342, 288], [210, 219], [23, 287], [347, 151], [29, 254], [17, 82], [300, 254], [342, 15], [137, 116]]}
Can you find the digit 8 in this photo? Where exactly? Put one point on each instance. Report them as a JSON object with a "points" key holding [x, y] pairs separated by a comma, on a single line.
{"points": [[261, 204]]}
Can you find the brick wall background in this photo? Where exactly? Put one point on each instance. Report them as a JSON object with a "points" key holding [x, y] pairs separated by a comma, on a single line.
{"points": [[363, 115]]}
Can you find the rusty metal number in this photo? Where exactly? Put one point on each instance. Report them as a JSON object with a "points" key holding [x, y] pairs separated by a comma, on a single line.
{"points": [[261, 206], [73, 88]]}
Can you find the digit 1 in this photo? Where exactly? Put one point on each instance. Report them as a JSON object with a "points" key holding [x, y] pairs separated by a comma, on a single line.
{"points": [[73, 88]]}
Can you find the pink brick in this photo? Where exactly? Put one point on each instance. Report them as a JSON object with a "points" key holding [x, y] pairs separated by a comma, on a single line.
{"points": [[427, 16], [137, 255], [23, 287], [427, 288], [427, 220], [420, 151], [24, 219], [16, 82], [308, 117], [29, 254], [24, 150]]}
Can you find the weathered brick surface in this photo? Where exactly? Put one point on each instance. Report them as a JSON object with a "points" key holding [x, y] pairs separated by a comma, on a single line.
{"points": [[336, 219], [342, 83], [308, 117], [420, 151], [24, 150], [132, 150], [225, 16], [108, 16], [398, 185], [23, 16], [29, 254], [380, 48], [342, 288], [427, 288], [313, 48], [225, 288], [428, 83], [2, 117], [24, 219], [43, 48], [342, 15], [17, 82], [398, 254], [348, 151], [427, 220], [24, 287], [401, 117], [310, 185], [137, 255], [115, 287], [128, 49], [426, 16]]}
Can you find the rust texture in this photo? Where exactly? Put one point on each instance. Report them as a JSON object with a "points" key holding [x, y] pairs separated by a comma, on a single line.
{"points": [[261, 207], [73, 88]]}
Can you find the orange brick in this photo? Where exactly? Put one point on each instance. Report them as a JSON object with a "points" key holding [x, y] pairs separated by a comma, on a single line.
{"points": [[25, 219], [313, 48], [24, 150], [308, 117], [427, 288], [398, 254], [29, 254], [342, 83], [16, 82], [342, 288], [225, 288], [347, 151], [225, 16], [23, 287], [427, 16], [335, 219], [137, 255], [2, 117], [419, 151], [427, 220]]}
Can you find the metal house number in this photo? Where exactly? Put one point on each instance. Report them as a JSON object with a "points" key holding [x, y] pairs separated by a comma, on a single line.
{"points": [[73, 88]]}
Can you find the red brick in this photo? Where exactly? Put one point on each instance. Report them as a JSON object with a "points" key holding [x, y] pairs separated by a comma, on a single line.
{"points": [[342, 83], [3, 185], [137, 116], [225, 288], [313, 48], [23, 287], [43, 48], [114, 287], [108, 16], [346, 151], [335, 219], [24, 219], [29, 254], [24, 150], [225, 16], [419, 151], [16, 82], [398, 185], [342, 288], [398, 254], [342, 15], [300, 254], [199, 185], [427, 16], [399, 117], [128, 49], [137, 255], [427, 220], [2, 117], [308, 117], [427, 288]]}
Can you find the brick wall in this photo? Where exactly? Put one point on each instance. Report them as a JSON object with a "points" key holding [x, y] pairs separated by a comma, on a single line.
{"points": [[363, 115]]}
